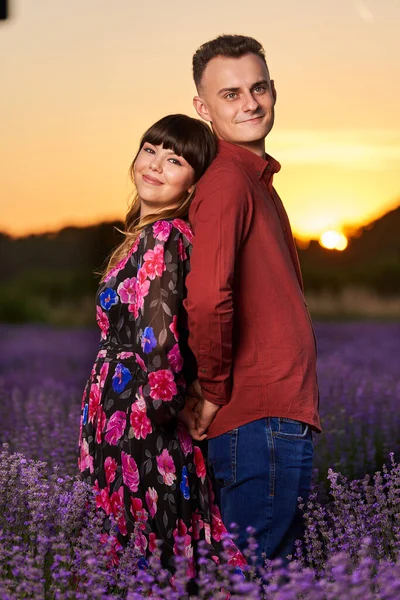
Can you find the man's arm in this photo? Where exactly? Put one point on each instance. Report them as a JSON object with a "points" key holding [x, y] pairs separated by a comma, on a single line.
{"points": [[220, 216]]}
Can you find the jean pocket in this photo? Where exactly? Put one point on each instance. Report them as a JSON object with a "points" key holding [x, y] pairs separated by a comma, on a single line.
{"points": [[290, 429], [222, 457]]}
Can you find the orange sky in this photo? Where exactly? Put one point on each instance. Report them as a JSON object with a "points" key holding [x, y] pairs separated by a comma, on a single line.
{"points": [[80, 82]]}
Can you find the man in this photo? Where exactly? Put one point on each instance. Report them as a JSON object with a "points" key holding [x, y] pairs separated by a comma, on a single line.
{"points": [[249, 325]]}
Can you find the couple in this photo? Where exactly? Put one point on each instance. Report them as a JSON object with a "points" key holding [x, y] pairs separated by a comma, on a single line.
{"points": [[205, 335]]}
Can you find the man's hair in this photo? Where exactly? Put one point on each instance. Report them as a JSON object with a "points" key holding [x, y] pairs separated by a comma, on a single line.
{"points": [[228, 46]]}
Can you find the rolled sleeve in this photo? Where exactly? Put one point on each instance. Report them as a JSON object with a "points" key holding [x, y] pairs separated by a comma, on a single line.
{"points": [[220, 216]]}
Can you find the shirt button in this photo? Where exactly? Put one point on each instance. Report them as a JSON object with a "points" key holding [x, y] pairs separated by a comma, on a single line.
{"points": [[258, 173], [268, 167], [203, 370]]}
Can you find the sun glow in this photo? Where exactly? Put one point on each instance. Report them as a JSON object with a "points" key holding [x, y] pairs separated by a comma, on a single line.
{"points": [[333, 240]]}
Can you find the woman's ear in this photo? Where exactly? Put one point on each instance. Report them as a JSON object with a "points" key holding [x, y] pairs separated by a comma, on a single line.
{"points": [[191, 189]]}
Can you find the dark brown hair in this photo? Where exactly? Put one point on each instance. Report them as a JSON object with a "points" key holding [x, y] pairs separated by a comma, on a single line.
{"points": [[187, 137], [228, 46]]}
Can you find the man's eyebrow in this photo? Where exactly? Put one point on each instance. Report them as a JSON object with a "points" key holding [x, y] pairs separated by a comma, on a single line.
{"points": [[236, 89]]}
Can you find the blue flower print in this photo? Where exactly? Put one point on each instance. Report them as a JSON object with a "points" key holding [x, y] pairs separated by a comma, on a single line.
{"points": [[120, 378], [142, 563], [108, 298], [184, 486], [149, 340], [85, 414]]}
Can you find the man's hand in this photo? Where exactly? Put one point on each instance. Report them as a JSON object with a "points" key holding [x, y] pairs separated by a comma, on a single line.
{"points": [[189, 415], [206, 417]]}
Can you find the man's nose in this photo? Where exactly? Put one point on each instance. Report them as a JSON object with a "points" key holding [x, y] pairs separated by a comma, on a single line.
{"points": [[250, 103]]}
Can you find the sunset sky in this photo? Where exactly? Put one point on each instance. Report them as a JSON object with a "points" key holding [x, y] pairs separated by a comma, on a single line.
{"points": [[82, 80]]}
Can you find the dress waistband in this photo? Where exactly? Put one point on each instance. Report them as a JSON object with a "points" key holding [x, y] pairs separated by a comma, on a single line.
{"points": [[116, 351]]}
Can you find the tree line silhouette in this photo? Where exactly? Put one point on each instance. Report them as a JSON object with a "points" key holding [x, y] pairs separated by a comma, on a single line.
{"points": [[43, 274]]}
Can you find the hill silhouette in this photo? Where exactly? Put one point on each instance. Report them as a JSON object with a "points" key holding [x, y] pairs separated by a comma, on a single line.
{"points": [[371, 259], [41, 273]]}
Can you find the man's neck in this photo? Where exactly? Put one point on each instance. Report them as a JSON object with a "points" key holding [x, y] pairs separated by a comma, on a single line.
{"points": [[257, 147]]}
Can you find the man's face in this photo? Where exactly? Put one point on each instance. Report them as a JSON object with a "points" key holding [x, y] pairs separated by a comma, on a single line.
{"points": [[238, 98]]}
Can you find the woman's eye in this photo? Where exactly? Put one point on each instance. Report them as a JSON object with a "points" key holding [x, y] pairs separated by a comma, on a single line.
{"points": [[149, 150], [175, 161]]}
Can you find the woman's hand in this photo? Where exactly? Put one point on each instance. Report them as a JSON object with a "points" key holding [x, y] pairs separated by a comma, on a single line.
{"points": [[190, 414]]}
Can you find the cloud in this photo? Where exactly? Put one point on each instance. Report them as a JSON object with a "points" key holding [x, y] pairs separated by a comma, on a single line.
{"points": [[358, 149], [364, 11]]}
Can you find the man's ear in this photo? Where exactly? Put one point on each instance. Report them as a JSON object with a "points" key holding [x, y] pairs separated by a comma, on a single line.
{"points": [[201, 108], [273, 90]]}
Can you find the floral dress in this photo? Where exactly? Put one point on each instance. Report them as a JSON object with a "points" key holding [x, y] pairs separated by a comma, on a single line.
{"points": [[137, 455]]}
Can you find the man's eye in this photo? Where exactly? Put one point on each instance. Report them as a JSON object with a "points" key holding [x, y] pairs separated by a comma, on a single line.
{"points": [[260, 89], [231, 95]]}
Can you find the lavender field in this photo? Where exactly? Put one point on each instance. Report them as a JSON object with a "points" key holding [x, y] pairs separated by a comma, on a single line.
{"points": [[49, 545]]}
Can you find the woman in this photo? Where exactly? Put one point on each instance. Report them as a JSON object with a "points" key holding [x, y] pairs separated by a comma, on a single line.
{"points": [[134, 450]]}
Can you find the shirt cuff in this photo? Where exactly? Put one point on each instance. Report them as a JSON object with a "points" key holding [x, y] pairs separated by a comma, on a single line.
{"points": [[217, 393]]}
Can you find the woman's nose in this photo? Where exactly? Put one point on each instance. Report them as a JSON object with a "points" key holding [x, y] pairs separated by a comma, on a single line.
{"points": [[156, 164]]}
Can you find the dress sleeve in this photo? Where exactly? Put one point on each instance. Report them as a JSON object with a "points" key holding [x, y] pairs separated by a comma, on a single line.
{"points": [[161, 283]]}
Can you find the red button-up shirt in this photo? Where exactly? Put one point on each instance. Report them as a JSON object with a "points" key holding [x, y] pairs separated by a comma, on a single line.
{"points": [[249, 326]]}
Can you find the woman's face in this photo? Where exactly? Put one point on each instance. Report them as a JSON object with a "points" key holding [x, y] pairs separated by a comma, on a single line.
{"points": [[162, 178]]}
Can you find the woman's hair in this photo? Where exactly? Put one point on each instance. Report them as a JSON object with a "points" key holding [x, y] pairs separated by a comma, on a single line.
{"points": [[187, 137]]}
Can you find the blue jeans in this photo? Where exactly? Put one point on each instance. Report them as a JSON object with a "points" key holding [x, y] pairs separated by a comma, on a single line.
{"points": [[259, 471]]}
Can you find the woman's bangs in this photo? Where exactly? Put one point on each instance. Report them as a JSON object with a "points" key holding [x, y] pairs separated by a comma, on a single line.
{"points": [[180, 144]]}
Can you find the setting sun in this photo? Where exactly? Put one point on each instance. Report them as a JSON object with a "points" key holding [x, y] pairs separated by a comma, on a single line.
{"points": [[333, 240]]}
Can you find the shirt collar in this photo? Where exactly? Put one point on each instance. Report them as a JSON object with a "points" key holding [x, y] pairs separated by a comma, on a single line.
{"points": [[260, 167]]}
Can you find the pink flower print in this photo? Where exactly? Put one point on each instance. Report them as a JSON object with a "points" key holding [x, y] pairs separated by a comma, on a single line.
{"points": [[185, 440], [130, 472], [139, 513], [117, 507], [151, 500], [199, 462], [161, 230], [103, 374], [102, 498], [140, 423], [113, 547], [122, 355], [110, 466], [162, 385], [181, 250], [184, 228], [207, 533], [86, 460], [102, 321], [166, 467], [120, 265], [184, 545], [197, 525], [140, 543], [101, 423], [142, 289], [115, 427], [152, 542], [127, 290], [217, 526], [174, 327], [102, 354], [94, 401], [175, 359], [236, 558], [154, 264], [140, 362]]}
